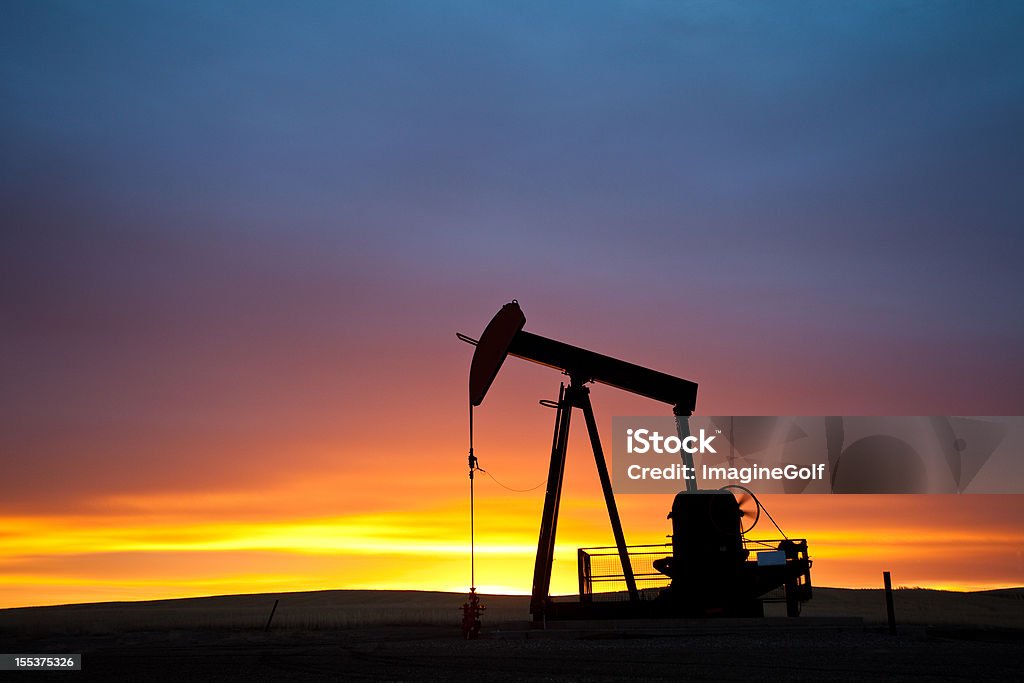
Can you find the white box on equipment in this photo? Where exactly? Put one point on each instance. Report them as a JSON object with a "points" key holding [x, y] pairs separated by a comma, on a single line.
{"points": [[771, 558]]}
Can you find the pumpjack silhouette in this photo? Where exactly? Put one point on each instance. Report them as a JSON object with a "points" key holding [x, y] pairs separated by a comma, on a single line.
{"points": [[714, 570]]}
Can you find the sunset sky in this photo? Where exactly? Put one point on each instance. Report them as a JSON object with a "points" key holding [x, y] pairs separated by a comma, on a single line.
{"points": [[239, 239]]}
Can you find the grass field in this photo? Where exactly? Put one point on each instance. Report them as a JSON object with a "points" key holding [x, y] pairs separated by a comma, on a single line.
{"points": [[309, 610], [356, 608], [414, 635]]}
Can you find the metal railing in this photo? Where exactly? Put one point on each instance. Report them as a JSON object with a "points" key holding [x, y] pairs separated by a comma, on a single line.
{"points": [[601, 578], [601, 566]]}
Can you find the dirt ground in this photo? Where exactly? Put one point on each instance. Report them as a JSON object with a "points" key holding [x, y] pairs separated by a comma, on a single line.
{"points": [[434, 652], [836, 647]]}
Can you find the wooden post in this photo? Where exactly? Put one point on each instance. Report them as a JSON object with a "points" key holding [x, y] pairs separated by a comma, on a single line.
{"points": [[888, 602], [271, 618]]}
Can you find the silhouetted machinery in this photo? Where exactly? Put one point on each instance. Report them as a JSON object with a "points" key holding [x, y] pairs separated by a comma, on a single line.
{"points": [[711, 569]]}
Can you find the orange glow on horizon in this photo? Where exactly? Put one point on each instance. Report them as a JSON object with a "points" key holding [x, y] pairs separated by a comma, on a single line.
{"points": [[380, 501], [130, 555]]}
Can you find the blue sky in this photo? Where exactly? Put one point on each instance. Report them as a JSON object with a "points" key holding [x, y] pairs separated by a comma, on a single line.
{"points": [[206, 202]]}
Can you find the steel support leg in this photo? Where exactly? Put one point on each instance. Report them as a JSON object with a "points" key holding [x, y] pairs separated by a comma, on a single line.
{"points": [[582, 398], [549, 517]]}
